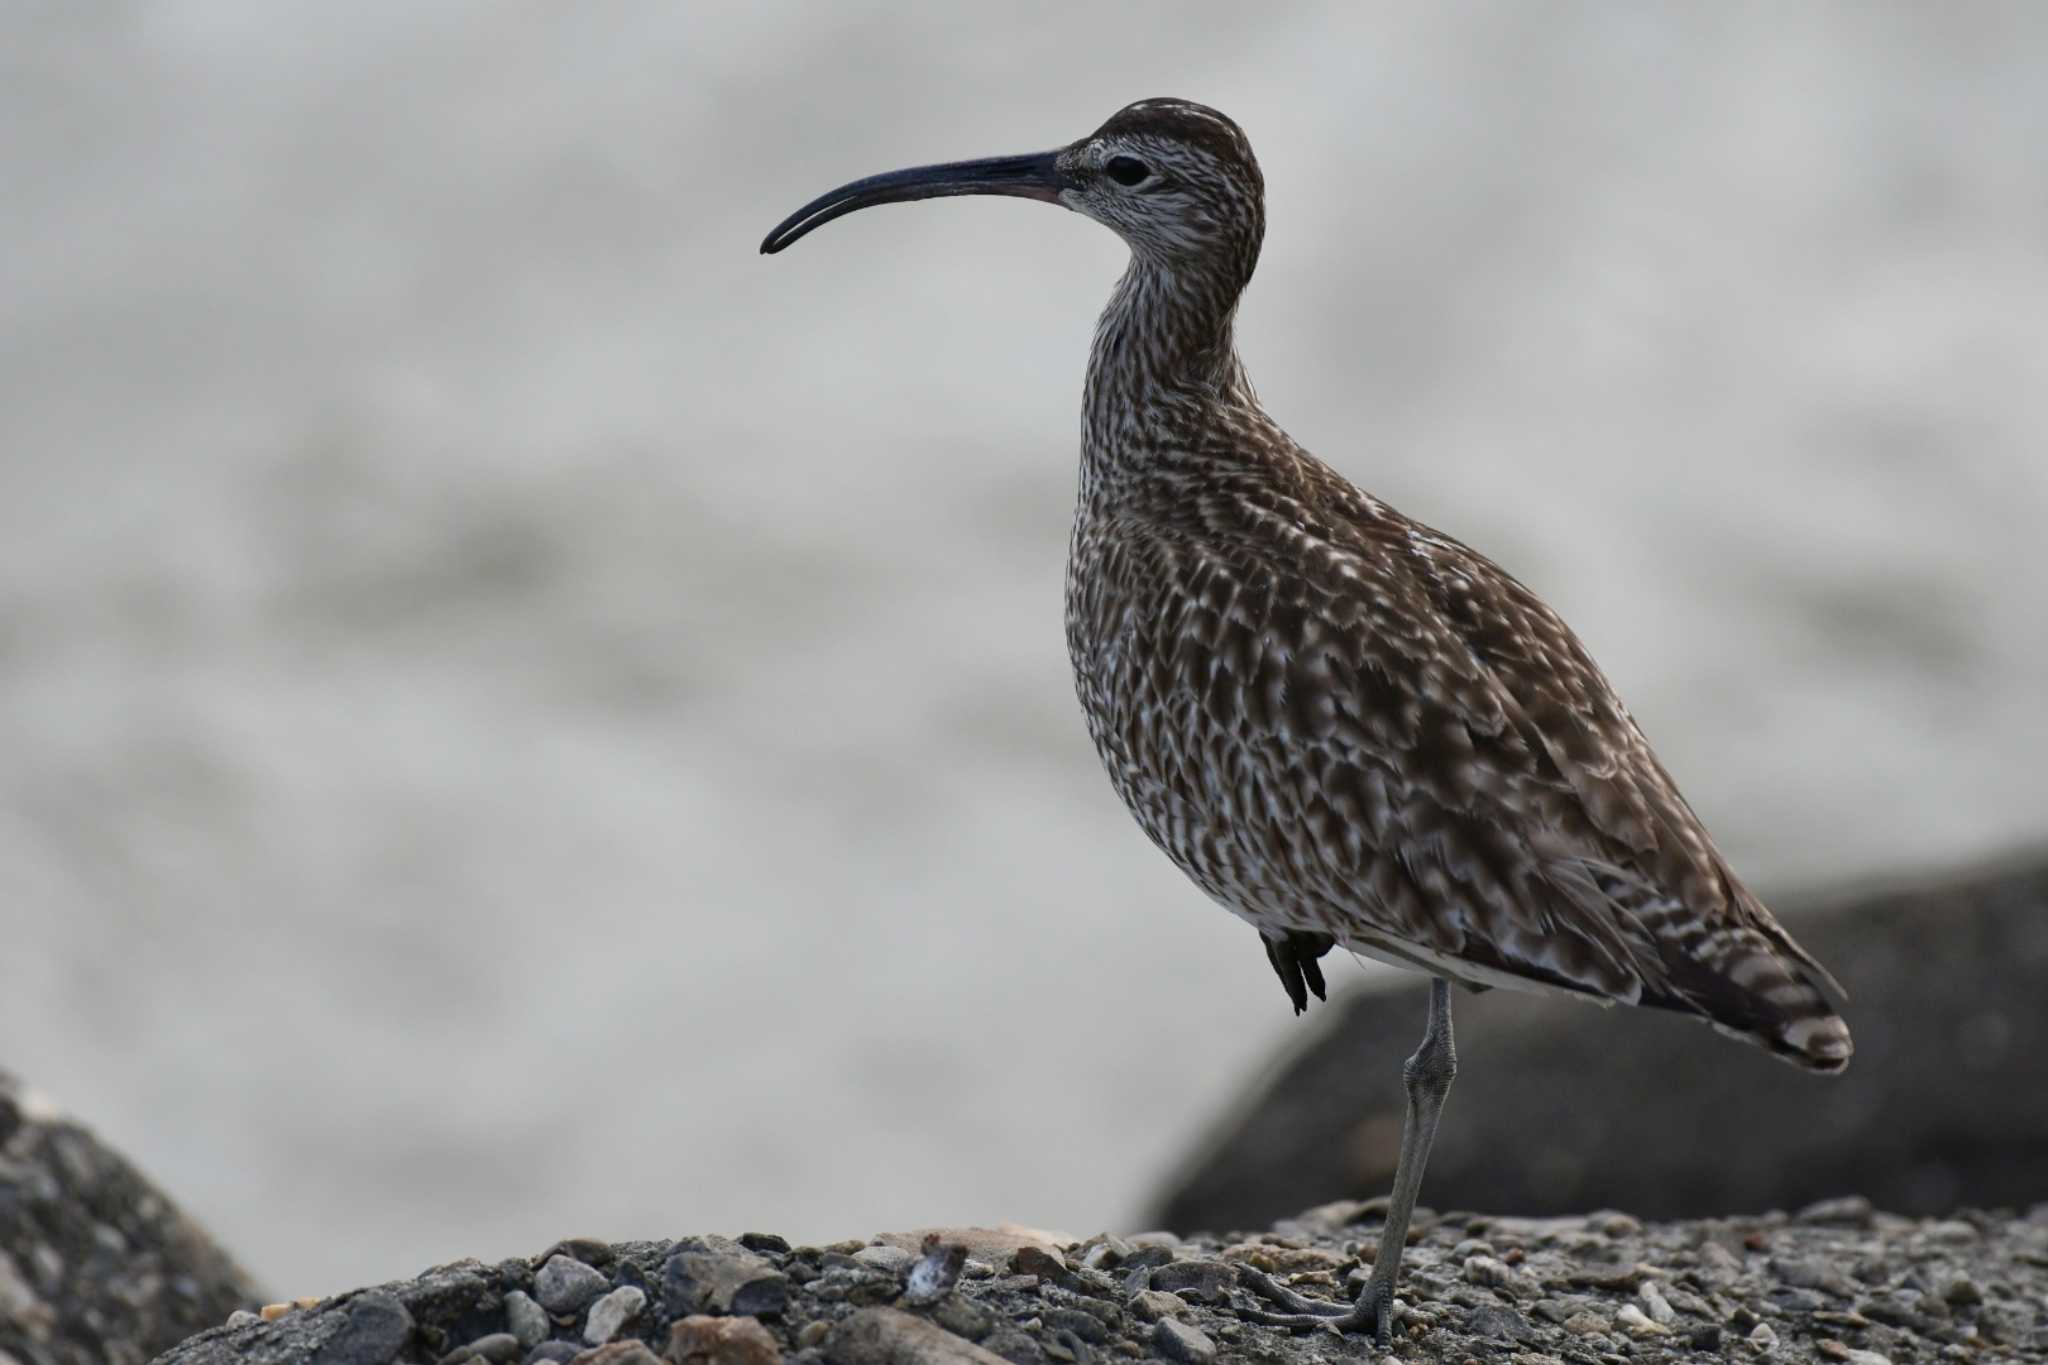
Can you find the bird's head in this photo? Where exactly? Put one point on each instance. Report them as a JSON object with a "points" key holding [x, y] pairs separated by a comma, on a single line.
{"points": [[1175, 180]]}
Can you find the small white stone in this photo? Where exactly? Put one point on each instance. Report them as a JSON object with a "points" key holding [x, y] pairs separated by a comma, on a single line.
{"points": [[1656, 1305], [612, 1312], [1639, 1323]]}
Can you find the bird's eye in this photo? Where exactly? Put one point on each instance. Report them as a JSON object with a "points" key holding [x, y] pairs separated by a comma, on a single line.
{"points": [[1127, 170]]}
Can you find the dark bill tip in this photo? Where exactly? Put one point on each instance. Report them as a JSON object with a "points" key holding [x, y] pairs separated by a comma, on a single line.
{"points": [[1036, 176]]}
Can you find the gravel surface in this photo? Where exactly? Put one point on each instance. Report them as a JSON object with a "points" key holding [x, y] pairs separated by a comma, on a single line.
{"points": [[97, 1267], [1835, 1282]]}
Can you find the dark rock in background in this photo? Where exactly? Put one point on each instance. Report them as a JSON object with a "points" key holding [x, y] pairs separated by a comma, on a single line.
{"points": [[1560, 1106], [96, 1265]]}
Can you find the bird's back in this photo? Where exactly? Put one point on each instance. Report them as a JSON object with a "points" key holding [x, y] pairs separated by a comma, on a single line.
{"points": [[1337, 720]]}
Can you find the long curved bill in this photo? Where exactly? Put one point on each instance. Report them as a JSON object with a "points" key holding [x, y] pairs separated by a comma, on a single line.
{"points": [[1035, 176]]}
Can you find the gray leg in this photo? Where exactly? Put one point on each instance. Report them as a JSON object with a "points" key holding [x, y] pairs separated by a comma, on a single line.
{"points": [[1428, 1074]]}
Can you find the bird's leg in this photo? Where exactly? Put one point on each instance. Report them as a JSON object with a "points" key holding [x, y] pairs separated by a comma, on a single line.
{"points": [[1428, 1074]]}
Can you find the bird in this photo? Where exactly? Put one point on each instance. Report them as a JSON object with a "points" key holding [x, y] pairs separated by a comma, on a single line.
{"points": [[1346, 727]]}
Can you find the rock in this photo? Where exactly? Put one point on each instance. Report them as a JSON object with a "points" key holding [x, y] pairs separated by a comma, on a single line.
{"points": [[765, 1243], [375, 1330], [498, 1346], [1493, 1322], [613, 1312], [717, 1274], [995, 1245], [1594, 1300], [936, 1271], [890, 1336], [1209, 1281], [1962, 958], [1177, 1340], [565, 1285], [964, 1318], [1154, 1304], [887, 1259], [528, 1320], [1849, 1210], [96, 1263], [727, 1341], [1488, 1271], [1044, 1262], [1638, 1323], [1086, 1326], [618, 1353], [1811, 1272]]}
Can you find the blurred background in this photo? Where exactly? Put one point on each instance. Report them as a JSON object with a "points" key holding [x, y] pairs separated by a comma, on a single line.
{"points": [[519, 716]]}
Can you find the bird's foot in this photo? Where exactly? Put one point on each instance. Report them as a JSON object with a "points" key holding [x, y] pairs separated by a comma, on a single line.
{"points": [[1374, 1311]]}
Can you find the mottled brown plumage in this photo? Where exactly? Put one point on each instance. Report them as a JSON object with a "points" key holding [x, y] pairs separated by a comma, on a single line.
{"points": [[1344, 726]]}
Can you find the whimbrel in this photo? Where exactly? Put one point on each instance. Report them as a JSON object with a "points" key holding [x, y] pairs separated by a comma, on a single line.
{"points": [[1346, 727]]}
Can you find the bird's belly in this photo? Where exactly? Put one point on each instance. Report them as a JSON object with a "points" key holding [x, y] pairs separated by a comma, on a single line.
{"points": [[1219, 815]]}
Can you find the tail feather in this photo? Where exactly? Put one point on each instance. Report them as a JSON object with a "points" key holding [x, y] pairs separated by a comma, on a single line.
{"points": [[1752, 989]]}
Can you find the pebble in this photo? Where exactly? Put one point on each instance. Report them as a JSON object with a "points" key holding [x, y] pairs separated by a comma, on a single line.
{"points": [[1043, 1262], [1962, 1291], [1154, 1304], [556, 1351], [936, 1272], [1209, 1281], [890, 1260], [242, 1317], [617, 1353], [1488, 1271], [1086, 1326], [1810, 1272], [964, 1317], [813, 1333], [1639, 1323], [890, 1336], [1656, 1305], [1179, 1341], [1107, 1254], [1850, 1211], [1498, 1323], [765, 1243], [1763, 1336], [376, 1330], [496, 1346], [717, 1274], [528, 1320], [564, 1285], [1719, 1262], [1585, 1324], [612, 1312], [731, 1341], [1953, 1232]]}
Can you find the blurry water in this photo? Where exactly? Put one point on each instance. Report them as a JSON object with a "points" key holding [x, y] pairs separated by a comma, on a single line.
{"points": [[519, 716]]}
